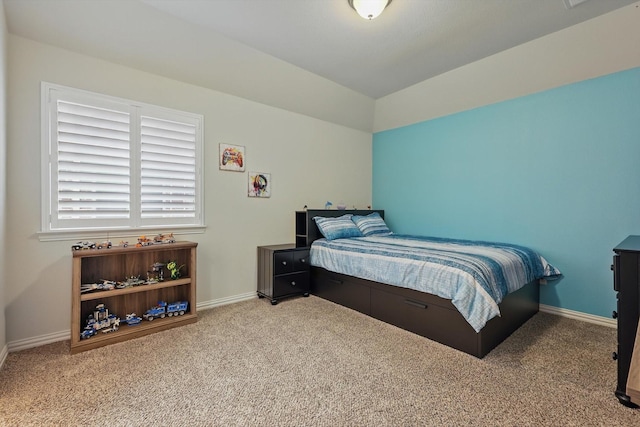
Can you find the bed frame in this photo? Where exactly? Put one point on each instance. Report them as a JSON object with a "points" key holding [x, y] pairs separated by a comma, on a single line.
{"points": [[418, 312]]}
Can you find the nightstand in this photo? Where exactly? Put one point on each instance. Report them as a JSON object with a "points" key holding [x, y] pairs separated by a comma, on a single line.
{"points": [[283, 271]]}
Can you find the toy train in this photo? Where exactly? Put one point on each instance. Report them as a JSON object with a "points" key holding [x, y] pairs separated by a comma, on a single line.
{"points": [[163, 309]]}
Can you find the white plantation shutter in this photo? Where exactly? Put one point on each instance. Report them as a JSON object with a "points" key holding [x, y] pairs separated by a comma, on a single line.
{"points": [[112, 163], [93, 163], [168, 169]]}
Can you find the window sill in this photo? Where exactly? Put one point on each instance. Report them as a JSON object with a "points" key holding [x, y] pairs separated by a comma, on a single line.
{"points": [[100, 235]]}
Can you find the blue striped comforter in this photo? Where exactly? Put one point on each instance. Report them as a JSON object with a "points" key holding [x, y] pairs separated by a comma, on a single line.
{"points": [[475, 276]]}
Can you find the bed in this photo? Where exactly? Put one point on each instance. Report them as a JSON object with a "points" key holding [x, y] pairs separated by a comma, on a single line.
{"points": [[445, 316]]}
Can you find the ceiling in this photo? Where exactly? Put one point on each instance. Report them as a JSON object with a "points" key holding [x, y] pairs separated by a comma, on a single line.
{"points": [[412, 40]]}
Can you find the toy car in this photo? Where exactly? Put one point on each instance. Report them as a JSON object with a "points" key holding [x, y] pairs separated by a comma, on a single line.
{"points": [[105, 245], [164, 238], [143, 241], [132, 319], [83, 245], [159, 310], [87, 333], [106, 285], [129, 282]]}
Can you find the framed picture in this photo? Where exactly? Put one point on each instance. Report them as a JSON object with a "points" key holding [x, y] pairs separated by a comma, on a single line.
{"points": [[231, 158], [259, 184]]}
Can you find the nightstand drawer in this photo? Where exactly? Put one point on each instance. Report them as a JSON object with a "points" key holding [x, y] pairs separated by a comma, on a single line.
{"points": [[290, 261], [301, 260], [287, 284], [283, 262]]}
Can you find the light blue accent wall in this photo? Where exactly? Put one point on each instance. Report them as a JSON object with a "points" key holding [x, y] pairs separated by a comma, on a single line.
{"points": [[558, 171]]}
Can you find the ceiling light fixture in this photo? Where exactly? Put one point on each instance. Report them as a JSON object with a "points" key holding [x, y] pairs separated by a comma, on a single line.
{"points": [[369, 9]]}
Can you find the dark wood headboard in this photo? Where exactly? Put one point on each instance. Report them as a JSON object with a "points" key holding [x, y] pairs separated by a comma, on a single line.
{"points": [[307, 230]]}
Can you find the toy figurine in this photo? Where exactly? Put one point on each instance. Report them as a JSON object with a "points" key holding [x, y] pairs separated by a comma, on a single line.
{"points": [[151, 279], [328, 205], [158, 268], [174, 270]]}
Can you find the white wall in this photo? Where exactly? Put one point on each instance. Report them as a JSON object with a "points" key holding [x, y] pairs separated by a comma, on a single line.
{"points": [[220, 64], [3, 161], [311, 161], [597, 47]]}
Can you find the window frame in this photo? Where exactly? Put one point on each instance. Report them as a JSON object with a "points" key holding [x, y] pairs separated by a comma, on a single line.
{"points": [[135, 224]]}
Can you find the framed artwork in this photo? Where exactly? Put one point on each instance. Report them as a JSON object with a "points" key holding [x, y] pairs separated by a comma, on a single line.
{"points": [[259, 184], [231, 158]]}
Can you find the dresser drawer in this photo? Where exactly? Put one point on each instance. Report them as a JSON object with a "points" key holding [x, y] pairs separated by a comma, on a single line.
{"points": [[287, 284]]}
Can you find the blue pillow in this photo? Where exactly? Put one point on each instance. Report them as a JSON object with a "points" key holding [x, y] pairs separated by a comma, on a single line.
{"points": [[337, 228], [371, 225]]}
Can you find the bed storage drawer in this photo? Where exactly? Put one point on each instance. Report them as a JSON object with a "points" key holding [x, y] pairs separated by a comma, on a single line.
{"points": [[342, 290], [425, 315]]}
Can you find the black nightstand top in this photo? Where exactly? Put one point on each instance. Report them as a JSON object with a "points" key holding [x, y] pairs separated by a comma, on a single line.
{"points": [[284, 247]]}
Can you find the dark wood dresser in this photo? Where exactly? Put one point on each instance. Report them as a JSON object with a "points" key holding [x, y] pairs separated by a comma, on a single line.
{"points": [[626, 282], [283, 271]]}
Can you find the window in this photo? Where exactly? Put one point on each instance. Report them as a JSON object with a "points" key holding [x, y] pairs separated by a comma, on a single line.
{"points": [[110, 163]]}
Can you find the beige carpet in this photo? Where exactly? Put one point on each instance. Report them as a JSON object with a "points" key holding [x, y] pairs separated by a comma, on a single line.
{"points": [[309, 362]]}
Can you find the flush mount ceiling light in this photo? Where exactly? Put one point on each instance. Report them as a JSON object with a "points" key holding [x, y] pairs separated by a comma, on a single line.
{"points": [[369, 9]]}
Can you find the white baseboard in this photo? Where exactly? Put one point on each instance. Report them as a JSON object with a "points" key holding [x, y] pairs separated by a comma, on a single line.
{"points": [[3, 355], [206, 305], [577, 315], [38, 341], [65, 335]]}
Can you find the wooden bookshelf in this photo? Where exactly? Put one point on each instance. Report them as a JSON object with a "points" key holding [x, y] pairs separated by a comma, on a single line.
{"points": [[116, 264]]}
